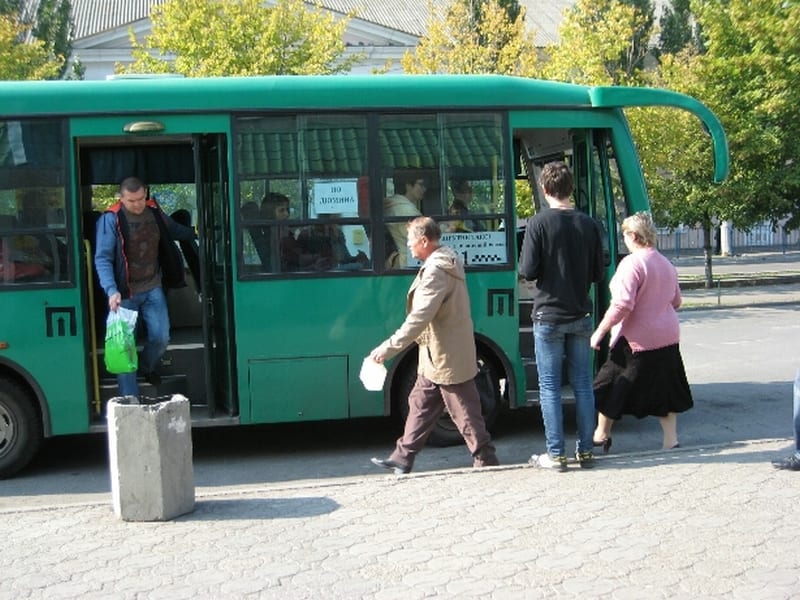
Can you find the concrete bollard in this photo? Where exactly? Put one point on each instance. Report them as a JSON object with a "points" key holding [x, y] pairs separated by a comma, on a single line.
{"points": [[150, 453]]}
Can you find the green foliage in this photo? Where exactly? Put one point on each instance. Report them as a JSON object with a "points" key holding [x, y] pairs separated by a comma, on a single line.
{"points": [[205, 38], [524, 196], [10, 7], [603, 42], [467, 37], [34, 48], [678, 29], [748, 77], [24, 60], [54, 27]]}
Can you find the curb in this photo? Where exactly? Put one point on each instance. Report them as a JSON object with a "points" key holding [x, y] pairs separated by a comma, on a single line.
{"points": [[700, 284]]}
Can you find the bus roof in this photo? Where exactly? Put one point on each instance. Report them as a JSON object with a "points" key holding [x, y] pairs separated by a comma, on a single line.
{"points": [[284, 92], [383, 92]]}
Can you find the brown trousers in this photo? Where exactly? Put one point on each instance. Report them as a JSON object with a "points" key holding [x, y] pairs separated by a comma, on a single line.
{"points": [[426, 403]]}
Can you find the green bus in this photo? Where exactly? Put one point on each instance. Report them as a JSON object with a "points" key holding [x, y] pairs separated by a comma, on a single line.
{"points": [[280, 310]]}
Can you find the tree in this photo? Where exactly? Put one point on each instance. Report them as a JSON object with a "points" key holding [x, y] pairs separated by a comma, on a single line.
{"points": [[34, 46], [679, 29], [54, 27], [473, 37], [603, 42], [204, 38], [24, 60], [747, 76]]}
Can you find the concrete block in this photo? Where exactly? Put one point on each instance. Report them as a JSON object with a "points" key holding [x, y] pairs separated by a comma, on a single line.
{"points": [[150, 454]]}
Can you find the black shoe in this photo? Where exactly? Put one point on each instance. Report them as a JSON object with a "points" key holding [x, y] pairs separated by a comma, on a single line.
{"points": [[153, 379], [790, 463], [605, 444], [397, 468]]}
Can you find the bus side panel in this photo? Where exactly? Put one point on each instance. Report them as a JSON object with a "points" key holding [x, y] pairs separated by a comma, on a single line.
{"points": [[348, 316], [45, 336], [494, 303]]}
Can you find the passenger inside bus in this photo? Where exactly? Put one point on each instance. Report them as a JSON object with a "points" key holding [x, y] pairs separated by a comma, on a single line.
{"points": [[275, 207], [33, 255], [324, 245], [409, 190], [460, 207]]}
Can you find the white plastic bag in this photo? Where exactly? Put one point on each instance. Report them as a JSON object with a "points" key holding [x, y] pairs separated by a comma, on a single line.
{"points": [[372, 375]]}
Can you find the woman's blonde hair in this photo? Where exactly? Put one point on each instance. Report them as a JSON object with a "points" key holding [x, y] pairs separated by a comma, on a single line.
{"points": [[642, 227]]}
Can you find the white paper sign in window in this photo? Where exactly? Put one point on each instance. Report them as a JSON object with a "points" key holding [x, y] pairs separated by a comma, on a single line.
{"points": [[337, 196], [476, 248]]}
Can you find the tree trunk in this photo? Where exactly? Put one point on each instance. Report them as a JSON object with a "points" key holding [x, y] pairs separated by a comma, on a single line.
{"points": [[707, 254]]}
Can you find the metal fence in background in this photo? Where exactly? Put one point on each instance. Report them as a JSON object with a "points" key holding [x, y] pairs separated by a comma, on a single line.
{"points": [[688, 241]]}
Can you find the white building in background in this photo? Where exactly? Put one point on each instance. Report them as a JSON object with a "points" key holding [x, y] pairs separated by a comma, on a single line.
{"points": [[383, 30]]}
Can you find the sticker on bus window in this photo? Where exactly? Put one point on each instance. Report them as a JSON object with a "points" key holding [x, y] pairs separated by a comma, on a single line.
{"points": [[475, 248], [335, 197]]}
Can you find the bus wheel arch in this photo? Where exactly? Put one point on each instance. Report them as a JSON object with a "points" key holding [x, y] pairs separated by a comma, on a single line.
{"points": [[21, 430], [445, 433]]}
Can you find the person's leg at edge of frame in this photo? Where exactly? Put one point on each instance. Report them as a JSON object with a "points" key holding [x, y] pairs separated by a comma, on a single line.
{"points": [[463, 402], [549, 350], [792, 462], [425, 406], [579, 368], [156, 316], [128, 386], [796, 414], [126, 382]]}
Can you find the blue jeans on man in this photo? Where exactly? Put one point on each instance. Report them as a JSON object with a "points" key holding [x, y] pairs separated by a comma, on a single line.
{"points": [[553, 343], [152, 308]]}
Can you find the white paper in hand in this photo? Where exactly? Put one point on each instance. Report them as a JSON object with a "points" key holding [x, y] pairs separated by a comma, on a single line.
{"points": [[372, 374]]}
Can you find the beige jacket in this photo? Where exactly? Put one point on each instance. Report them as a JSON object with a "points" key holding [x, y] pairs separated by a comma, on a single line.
{"points": [[438, 319]]}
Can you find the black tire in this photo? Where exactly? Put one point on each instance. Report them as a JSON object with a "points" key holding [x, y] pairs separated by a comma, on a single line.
{"points": [[446, 433], [20, 429]]}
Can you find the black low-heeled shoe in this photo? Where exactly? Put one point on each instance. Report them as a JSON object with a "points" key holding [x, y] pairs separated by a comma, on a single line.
{"points": [[606, 444]]}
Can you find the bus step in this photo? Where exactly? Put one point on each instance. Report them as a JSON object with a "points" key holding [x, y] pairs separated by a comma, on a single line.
{"points": [[170, 384]]}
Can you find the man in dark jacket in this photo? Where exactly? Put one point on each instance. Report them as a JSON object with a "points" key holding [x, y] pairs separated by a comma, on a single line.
{"points": [[135, 256]]}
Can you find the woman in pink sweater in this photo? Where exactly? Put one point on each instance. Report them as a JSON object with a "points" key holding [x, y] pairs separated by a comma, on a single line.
{"points": [[644, 374]]}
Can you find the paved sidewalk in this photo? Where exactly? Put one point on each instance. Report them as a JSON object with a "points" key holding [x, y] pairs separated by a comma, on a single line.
{"points": [[702, 522], [714, 522]]}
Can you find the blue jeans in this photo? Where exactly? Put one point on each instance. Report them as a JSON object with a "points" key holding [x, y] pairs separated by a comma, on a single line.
{"points": [[552, 342], [152, 308]]}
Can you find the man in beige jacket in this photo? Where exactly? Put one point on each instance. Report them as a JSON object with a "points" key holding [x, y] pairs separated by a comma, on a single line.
{"points": [[438, 319]]}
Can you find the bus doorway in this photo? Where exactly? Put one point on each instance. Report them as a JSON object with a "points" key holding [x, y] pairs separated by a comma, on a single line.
{"points": [[177, 172]]}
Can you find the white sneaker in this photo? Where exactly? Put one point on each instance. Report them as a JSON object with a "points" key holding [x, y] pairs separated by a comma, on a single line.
{"points": [[545, 461]]}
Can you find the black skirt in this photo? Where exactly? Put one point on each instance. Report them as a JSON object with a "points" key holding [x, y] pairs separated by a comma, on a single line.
{"points": [[642, 384]]}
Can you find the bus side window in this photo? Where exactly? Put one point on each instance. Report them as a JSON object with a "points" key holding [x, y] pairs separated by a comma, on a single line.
{"points": [[257, 233], [324, 248]]}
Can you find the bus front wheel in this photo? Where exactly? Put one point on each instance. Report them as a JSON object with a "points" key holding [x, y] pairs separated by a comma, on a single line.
{"points": [[445, 433], [20, 429]]}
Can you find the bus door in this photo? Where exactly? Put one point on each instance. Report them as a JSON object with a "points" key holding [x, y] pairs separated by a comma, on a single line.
{"points": [[571, 136], [215, 243], [183, 170]]}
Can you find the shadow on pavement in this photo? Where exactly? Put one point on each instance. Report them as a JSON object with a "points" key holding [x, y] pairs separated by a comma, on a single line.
{"points": [[257, 508]]}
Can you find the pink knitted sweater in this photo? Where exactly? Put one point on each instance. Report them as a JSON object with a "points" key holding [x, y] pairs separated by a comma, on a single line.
{"points": [[644, 299]]}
